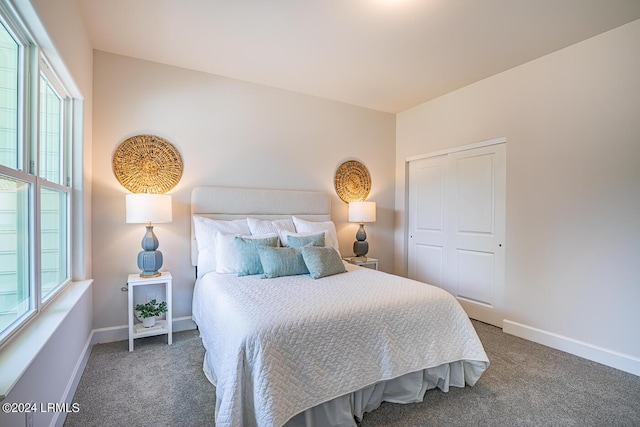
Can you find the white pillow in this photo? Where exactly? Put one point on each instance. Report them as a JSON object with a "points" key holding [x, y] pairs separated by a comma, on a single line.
{"points": [[226, 255], [259, 226], [206, 230], [331, 238], [227, 258], [206, 261]]}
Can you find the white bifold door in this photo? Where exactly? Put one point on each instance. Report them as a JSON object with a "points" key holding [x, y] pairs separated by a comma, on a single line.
{"points": [[457, 227]]}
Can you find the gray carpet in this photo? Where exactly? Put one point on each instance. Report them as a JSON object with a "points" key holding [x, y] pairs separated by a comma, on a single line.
{"points": [[526, 385]]}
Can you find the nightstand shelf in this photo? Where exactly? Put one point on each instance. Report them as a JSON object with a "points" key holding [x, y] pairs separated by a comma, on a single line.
{"points": [[363, 262], [162, 327], [139, 331]]}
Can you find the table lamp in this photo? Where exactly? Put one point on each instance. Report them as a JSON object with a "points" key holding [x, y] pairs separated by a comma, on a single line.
{"points": [[361, 212], [146, 208]]}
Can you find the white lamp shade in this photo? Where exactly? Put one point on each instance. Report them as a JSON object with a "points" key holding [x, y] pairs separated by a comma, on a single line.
{"points": [[144, 208], [362, 211]]}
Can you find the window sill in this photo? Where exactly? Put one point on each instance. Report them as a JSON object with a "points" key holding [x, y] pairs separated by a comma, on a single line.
{"points": [[17, 354]]}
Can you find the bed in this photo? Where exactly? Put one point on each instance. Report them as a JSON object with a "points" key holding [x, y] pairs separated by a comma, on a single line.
{"points": [[299, 351]]}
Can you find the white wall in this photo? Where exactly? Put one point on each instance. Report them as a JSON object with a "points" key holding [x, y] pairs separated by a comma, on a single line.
{"points": [[229, 133], [572, 125]]}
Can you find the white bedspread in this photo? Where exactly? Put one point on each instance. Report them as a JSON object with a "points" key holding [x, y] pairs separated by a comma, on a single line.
{"points": [[280, 346]]}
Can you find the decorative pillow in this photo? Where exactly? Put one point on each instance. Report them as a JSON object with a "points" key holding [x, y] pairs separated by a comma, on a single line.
{"points": [[278, 262], [259, 226], [284, 236], [205, 231], [303, 226], [297, 240], [248, 255], [322, 262], [227, 256]]}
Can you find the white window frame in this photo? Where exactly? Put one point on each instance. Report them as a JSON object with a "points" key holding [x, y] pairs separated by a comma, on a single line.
{"points": [[33, 64]]}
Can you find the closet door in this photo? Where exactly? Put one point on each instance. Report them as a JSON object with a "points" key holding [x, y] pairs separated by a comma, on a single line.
{"points": [[456, 227], [427, 214]]}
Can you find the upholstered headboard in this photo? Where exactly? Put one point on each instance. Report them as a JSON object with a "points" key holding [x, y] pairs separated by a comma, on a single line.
{"points": [[234, 203]]}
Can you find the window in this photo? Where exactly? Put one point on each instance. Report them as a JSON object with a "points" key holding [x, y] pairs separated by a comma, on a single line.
{"points": [[15, 292], [53, 240], [9, 56], [35, 193], [50, 132]]}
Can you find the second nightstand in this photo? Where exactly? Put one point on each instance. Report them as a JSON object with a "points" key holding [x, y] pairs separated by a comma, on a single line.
{"points": [[363, 262]]}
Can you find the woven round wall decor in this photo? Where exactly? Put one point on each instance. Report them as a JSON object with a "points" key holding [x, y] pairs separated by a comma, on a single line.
{"points": [[147, 164], [352, 181]]}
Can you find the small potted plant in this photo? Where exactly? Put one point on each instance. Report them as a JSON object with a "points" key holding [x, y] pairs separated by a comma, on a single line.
{"points": [[150, 310]]}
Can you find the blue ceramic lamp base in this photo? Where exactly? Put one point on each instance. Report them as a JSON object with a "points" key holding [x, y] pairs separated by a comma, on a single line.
{"points": [[361, 246], [150, 260]]}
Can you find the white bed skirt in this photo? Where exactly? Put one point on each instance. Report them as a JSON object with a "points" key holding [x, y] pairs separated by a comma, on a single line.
{"points": [[408, 388]]}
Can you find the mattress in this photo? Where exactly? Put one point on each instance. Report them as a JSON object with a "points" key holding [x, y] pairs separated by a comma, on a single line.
{"points": [[277, 347]]}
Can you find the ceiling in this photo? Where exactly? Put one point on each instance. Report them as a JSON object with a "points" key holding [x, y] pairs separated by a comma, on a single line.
{"points": [[387, 55]]}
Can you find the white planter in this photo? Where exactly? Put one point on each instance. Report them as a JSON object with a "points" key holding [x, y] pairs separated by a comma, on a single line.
{"points": [[148, 322]]}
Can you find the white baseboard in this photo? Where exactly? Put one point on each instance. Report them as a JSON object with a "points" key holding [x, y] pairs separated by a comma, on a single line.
{"points": [[621, 361], [183, 324], [110, 334], [121, 333]]}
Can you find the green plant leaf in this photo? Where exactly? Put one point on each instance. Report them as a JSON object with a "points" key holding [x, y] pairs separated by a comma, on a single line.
{"points": [[151, 308]]}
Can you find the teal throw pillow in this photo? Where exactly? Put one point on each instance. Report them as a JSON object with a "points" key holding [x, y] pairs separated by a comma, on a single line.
{"points": [[322, 261], [278, 262], [298, 241], [248, 256]]}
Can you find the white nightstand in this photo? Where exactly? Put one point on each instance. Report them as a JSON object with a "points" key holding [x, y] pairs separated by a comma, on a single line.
{"points": [[136, 330], [363, 262]]}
